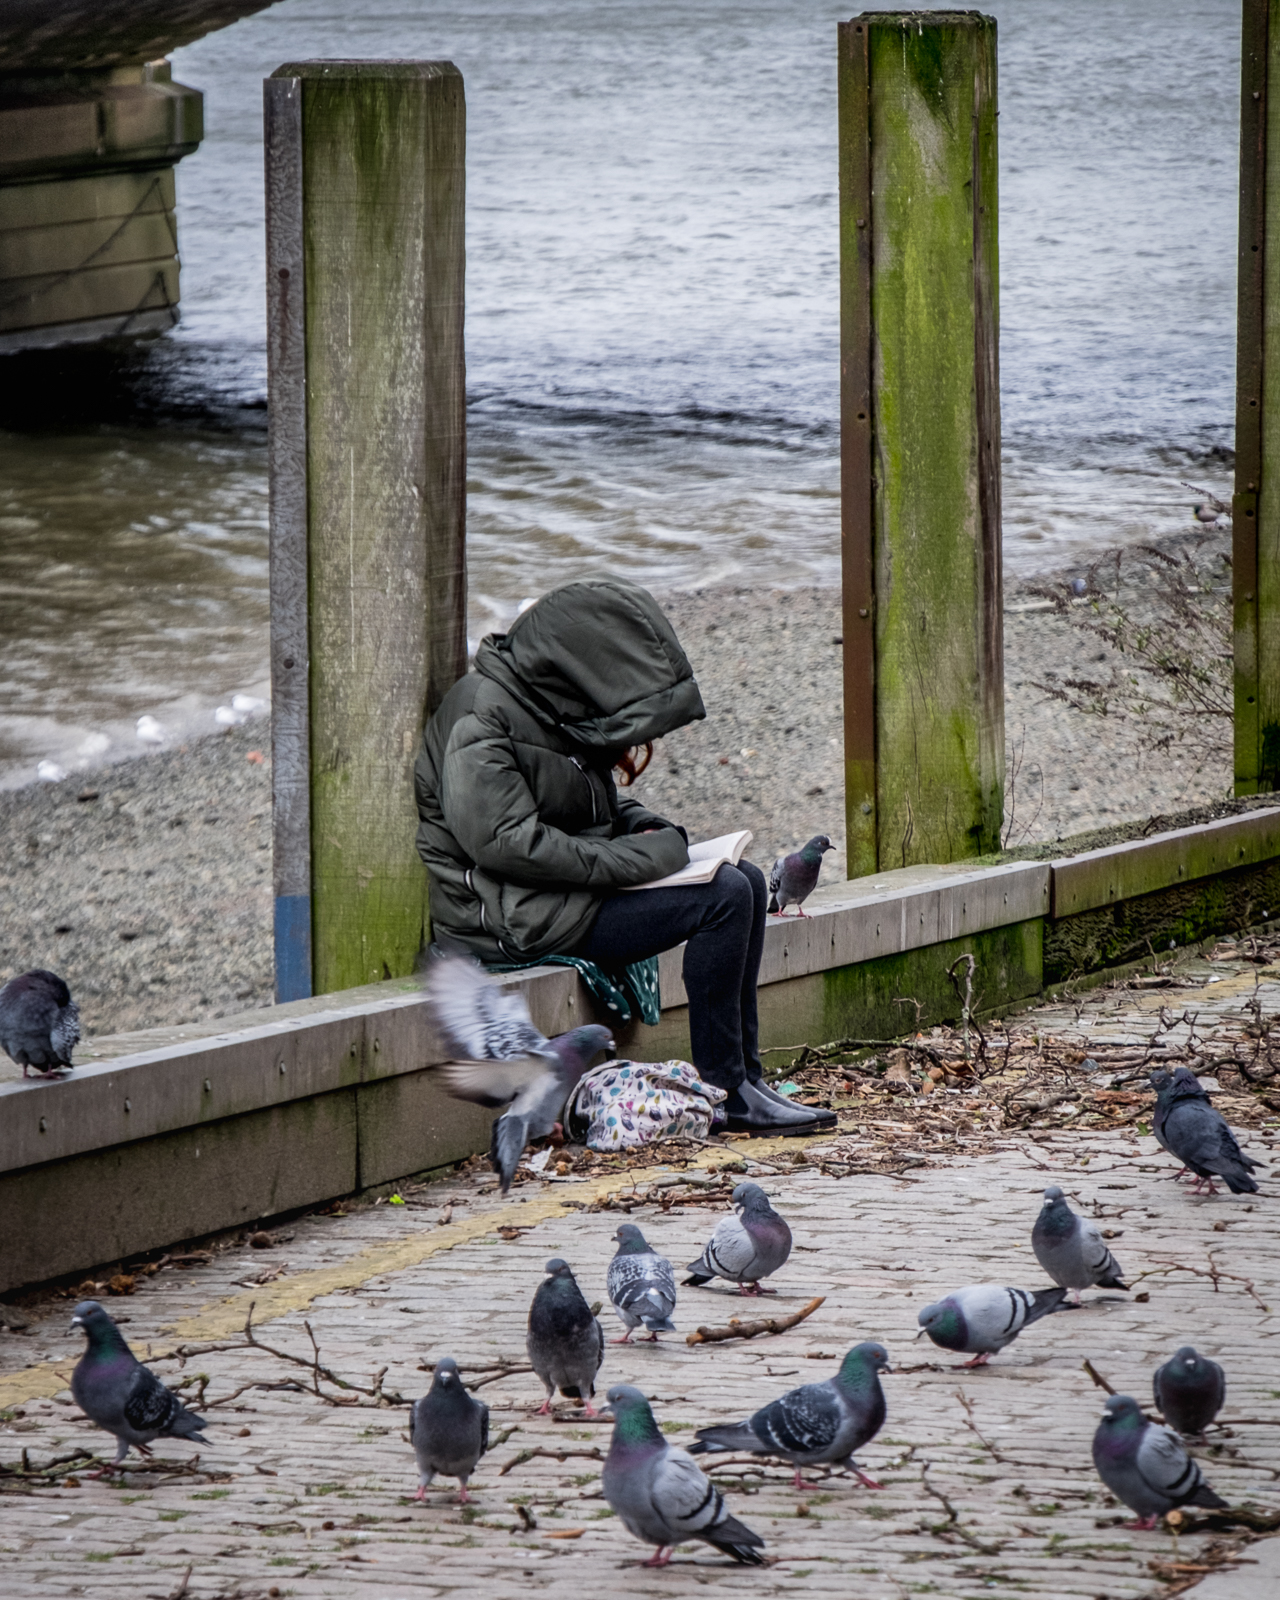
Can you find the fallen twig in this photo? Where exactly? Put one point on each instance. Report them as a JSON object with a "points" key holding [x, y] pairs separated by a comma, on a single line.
{"points": [[749, 1330], [555, 1454]]}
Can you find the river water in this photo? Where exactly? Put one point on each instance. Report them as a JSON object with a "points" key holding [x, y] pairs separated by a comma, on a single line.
{"points": [[651, 329]]}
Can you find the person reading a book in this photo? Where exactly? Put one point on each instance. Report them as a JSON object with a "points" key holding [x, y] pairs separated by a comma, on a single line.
{"points": [[534, 849]]}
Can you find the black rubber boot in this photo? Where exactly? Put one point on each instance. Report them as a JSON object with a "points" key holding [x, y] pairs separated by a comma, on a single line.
{"points": [[824, 1119], [750, 1110]]}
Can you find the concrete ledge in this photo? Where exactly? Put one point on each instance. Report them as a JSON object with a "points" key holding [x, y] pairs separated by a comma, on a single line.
{"points": [[1123, 871], [175, 1132]]}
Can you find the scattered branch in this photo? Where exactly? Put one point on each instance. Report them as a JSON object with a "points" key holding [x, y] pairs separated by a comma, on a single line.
{"points": [[556, 1453], [750, 1330]]}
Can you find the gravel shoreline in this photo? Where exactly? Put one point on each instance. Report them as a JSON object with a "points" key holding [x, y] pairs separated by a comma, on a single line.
{"points": [[152, 894]]}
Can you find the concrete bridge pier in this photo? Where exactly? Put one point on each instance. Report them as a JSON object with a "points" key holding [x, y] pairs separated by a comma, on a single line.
{"points": [[88, 232]]}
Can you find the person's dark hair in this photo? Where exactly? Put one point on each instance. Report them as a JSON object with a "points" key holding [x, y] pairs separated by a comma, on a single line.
{"points": [[631, 763]]}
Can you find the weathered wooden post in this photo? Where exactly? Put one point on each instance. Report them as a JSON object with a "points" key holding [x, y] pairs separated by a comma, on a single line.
{"points": [[1256, 503], [920, 438], [365, 204]]}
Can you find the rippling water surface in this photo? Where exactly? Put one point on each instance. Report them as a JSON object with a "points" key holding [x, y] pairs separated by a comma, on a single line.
{"points": [[651, 329]]}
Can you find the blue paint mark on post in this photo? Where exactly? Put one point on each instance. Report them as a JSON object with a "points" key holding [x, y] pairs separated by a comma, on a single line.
{"points": [[293, 947]]}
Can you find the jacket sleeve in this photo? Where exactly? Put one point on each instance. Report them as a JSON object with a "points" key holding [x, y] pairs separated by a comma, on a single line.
{"points": [[491, 812], [635, 818]]}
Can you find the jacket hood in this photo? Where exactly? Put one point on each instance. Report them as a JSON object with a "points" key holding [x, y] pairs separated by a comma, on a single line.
{"points": [[598, 660]]}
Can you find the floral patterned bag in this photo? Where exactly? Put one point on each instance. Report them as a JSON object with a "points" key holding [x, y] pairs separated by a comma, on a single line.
{"points": [[622, 1104]]}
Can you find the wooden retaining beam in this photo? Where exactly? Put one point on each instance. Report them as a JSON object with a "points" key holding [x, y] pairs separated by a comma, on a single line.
{"points": [[365, 255], [920, 438], [168, 1134]]}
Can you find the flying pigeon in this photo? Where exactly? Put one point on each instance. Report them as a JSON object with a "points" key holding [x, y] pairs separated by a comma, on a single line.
{"points": [[449, 1431], [660, 1492], [39, 1021], [642, 1286], [816, 1423], [1189, 1128], [1145, 1465], [981, 1319], [746, 1246], [113, 1388], [508, 1062], [1071, 1250], [795, 877], [565, 1342], [1189, 1390]]}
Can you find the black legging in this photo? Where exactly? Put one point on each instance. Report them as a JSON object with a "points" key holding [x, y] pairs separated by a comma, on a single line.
{"points": [[722, 925]]}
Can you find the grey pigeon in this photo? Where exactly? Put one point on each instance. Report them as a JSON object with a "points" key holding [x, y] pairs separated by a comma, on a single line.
{"points": [[661, 1493], [816, 1423], [1189, 1128], [1071, 1250], [1145, 1465], [113, 1388], [1189, 1390], [641, 1284], [746, 1246], [793, 878], [508, 1062], [565, 1342], [449, 1431], [981, 1319], [39, 1021]]}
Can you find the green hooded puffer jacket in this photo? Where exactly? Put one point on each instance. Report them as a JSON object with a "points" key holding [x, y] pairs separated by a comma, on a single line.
{"points": [[520, 824]]}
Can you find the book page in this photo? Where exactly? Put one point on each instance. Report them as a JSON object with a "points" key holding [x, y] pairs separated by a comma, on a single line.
{"points": [[705, 859]]}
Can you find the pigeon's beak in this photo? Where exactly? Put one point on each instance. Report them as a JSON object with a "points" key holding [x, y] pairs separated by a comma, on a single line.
{"points": [[921, 1334], [611, 1051], [606, 1412], [887, 1367]]}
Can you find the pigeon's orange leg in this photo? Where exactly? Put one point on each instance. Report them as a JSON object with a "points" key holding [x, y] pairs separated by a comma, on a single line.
{"points": [[661, 1557]]}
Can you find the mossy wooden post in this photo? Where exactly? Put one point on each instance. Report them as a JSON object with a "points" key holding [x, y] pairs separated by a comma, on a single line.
{"points": [[1256, 504], [365, 196], [920, 423]]}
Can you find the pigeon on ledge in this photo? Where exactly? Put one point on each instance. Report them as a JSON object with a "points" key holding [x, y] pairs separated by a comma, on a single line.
{"points": [[983, 1318], [795, 877], [449, 1431], [1189, 1128], [1189, 1390], [745, 1247], [642, 1286], [565, 1342], [1145, 1465], [508, 1062], [39, 1021], [816, 1423], [1071, 1250], [659, 1491], [113, 1388]]}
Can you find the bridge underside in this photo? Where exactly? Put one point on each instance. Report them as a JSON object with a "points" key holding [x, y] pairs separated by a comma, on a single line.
{"points": [[91, 127]]}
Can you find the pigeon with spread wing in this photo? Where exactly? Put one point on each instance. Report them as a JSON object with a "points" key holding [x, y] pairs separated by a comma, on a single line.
{"points": [[503, 1060]]}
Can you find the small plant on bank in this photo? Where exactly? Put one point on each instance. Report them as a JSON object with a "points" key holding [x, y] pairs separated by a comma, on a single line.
{"points": [[1174, 682]]}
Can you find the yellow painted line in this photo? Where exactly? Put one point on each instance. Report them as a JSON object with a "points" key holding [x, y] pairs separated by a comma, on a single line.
{"points": [[225, 1318]]}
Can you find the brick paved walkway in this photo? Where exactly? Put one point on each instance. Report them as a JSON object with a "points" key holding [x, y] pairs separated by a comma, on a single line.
{"points": [[989, 1485]]}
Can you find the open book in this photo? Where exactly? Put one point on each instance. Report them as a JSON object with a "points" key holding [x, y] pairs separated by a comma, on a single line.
{"points": [[705, 859]]}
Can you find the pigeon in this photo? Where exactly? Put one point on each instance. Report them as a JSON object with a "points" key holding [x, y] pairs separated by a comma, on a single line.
{"points": [[1071, 1250], [1189, 1128], [508, 1062], [745, 1247], [565, 1342], [113, 1388], [642, 1286], [795, 877], [816, 1423], [149, 731], [1079, 586], [449, 1431], [661, 1493], [1189, 1390], [1145, 1465], [39, 1021], [981, 1319]]}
